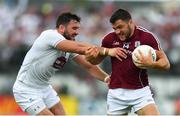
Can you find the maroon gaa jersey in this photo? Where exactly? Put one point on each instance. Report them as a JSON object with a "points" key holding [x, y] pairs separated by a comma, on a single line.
{"points": [[124, 73]]}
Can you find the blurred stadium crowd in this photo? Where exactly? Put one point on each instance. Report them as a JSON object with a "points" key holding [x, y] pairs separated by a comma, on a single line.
{"points": [[21, 21]]}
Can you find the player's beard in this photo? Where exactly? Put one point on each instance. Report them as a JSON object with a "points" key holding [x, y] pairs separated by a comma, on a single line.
{"points": [[68, 36], [128, 32], [125, 35]]}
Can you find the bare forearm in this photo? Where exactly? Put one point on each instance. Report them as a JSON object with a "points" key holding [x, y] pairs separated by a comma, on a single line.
{"points": [[96, 60], [71, 46], [94, 70], [98, 73], [78, 47], [100, 55], [103, 52], [119, 53], [162, 64]]}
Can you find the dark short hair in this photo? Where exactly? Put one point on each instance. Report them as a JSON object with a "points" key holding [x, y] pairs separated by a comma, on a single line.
{"points": [[65, 18], [120, 14]]}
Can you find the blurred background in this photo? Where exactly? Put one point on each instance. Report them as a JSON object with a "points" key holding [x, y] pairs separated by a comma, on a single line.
{"points": [[21, 21]]}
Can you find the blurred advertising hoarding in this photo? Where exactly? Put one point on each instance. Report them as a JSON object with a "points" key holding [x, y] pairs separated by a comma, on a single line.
{"points": [[8, 106]]}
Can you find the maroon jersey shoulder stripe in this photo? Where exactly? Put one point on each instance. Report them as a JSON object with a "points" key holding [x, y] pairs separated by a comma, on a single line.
{"points": [[147, 31]]}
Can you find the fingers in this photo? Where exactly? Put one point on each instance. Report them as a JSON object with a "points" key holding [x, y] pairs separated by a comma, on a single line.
{"points": [[118, 57], [92, 51], [140, 53], [137, 56], [124, 50], [150, 53], [119, 53], [142, 60], [107, 80], [143, 57], [122, 53], [138, 62]]}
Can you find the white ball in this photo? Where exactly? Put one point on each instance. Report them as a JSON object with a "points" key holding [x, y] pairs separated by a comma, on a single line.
{"points": [[145, 51]]}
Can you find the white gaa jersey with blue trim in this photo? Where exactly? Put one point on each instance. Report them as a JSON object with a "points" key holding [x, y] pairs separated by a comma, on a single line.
{"points": [[43, 59]]}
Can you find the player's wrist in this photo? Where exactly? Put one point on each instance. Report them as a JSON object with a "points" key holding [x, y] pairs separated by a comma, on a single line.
{"points": [[107, 51], [104, 51], [106, 79], [111, 52]]}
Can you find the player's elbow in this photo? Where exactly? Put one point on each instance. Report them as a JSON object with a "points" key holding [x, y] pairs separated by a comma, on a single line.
{"points": [[167, 66]]}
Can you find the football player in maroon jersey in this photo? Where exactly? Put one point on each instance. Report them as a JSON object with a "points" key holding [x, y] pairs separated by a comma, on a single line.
{"points": [[129, 85]]}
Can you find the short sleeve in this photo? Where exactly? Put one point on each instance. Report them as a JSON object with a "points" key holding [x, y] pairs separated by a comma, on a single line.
{"points": [[73, 55], [52, 37], [106, 41], [154, 41]]}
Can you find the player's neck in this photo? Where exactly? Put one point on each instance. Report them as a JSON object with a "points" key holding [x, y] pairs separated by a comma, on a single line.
{"points": [[132, 29]]}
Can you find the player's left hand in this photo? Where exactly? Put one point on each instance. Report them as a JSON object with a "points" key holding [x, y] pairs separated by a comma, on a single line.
{"points": [[144, 61], [107, 80], [119, 53]]}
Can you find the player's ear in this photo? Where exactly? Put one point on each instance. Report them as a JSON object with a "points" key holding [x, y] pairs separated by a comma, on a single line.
{"points": [[61, 28], [130, 22]]}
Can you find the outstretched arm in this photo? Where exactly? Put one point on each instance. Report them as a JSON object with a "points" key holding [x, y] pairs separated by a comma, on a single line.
{"points": [[79, 47], [94, 70], [93, 54], [119, 53], [72, 46], [162, 61]]}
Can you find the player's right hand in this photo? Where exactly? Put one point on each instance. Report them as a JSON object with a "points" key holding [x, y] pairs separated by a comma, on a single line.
{"points": [[144, 61], [119, 53], [91, 52]]}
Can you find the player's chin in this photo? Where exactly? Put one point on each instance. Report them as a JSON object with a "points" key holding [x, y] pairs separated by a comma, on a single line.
{"points": [[122, 37]]}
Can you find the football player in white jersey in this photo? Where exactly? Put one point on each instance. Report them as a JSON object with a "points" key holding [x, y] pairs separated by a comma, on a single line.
{"points": [[49, 53]]}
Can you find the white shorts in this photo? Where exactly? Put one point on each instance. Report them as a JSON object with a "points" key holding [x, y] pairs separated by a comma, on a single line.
{"points": [[123, 101], [34, 100]]}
